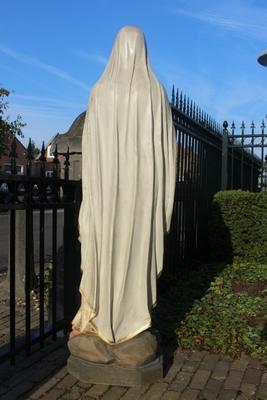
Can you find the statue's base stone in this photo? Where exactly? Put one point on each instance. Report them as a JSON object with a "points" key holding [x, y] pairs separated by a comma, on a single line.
{"points": [[113, 374]]}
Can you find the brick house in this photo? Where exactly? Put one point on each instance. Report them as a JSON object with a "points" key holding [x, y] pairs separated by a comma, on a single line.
{"points": [[5, 166]]}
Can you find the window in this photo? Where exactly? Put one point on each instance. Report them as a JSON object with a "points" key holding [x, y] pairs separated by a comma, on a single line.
{"points": [[7, 169], [49, 174]]}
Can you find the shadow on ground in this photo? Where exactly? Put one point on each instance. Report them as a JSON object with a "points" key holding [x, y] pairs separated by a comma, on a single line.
{"points": [[179, 290]]}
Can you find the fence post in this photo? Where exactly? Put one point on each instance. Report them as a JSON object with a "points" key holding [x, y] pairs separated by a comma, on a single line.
{"points": [[224, 180], [72, 260]]}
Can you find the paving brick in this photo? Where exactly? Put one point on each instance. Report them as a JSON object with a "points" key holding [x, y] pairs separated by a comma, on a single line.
{"points": [[183, 354], [198, 355], [212, 389], [55, 355], [248, 390], [173, 371], [44, 388], [262, 392], [170, 395], [181, 381], [19, 377], [209, 361], [252, 375], [67, 382], [18, 391], [75, 394], [233, 380], [97, 390], [115, 393], [200, 379], [32, 359], [53, 394], [61, 373], [239, 365], [51, 345], [254, 363], [189, 394], [135, 393], [84, 385], [228, 395], [264, 378], [155, 391], [221, 370], [41, 374], [190, 366]]}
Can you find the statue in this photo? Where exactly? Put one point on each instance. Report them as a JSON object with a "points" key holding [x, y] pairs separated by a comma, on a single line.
{"points": [[128, 179]]}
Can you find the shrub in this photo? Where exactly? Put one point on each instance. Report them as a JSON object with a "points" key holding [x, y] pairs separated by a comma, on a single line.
{"points": [[231, 316], [238, 226]]}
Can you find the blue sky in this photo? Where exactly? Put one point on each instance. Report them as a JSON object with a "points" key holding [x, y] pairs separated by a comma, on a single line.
{"points": [[53, 51]]}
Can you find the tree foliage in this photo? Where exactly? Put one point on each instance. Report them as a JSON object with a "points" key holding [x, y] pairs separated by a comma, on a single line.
{"points": [[8, 128], [35, 149]]}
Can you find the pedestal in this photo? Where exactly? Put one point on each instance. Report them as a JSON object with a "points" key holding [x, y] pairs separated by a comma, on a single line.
{"points": [[113, 374]]}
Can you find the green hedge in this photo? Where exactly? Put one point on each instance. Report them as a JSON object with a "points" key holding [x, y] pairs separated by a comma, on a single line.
{"points": [[238, 226]]}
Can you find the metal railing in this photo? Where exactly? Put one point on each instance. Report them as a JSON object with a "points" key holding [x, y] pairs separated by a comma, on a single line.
{"points": [[50, 297], [200, 174], [244, 158]]}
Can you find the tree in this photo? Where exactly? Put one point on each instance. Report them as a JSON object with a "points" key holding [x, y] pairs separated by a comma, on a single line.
{"points": [[35, 150], [8, 128]]}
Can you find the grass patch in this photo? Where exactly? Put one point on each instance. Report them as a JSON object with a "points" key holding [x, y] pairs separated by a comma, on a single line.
{"points": [[217, 308]]}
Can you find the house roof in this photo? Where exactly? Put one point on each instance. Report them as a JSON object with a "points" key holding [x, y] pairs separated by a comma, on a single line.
{"points": [[71, 138]]}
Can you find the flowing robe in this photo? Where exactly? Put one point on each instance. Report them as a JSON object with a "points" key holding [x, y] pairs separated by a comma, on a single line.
{"points": [[128, 180]]}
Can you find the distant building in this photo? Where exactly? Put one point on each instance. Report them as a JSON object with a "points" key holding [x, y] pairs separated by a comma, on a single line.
{"points": [[72, 139], [21, 162]]}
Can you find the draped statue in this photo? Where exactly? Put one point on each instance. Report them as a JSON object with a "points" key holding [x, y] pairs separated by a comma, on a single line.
{"points": [[128, 180]]}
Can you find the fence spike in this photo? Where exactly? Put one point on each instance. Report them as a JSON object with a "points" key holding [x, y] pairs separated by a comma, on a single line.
{"points": [[202, 116], [29, 154], [13, 155], [177, 99], [184, 104], [173, 92], [225, 125], [29, 158], [194, 111], [42, 156], [67, 164], [187, 106], [210, 123], [191, 109], [181, 101], [233, 128], [55, 163]]}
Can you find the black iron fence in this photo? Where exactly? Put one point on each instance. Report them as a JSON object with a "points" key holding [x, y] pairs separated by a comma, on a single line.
{"points": [[204, 166], [244, 158], [41, 212]]}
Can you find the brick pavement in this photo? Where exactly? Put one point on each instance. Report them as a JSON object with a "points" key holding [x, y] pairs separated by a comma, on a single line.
{"points": [[188, 376], [20, 315]]}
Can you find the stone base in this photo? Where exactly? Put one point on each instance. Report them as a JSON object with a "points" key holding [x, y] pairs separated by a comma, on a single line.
{"points": [[113, 374]]}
